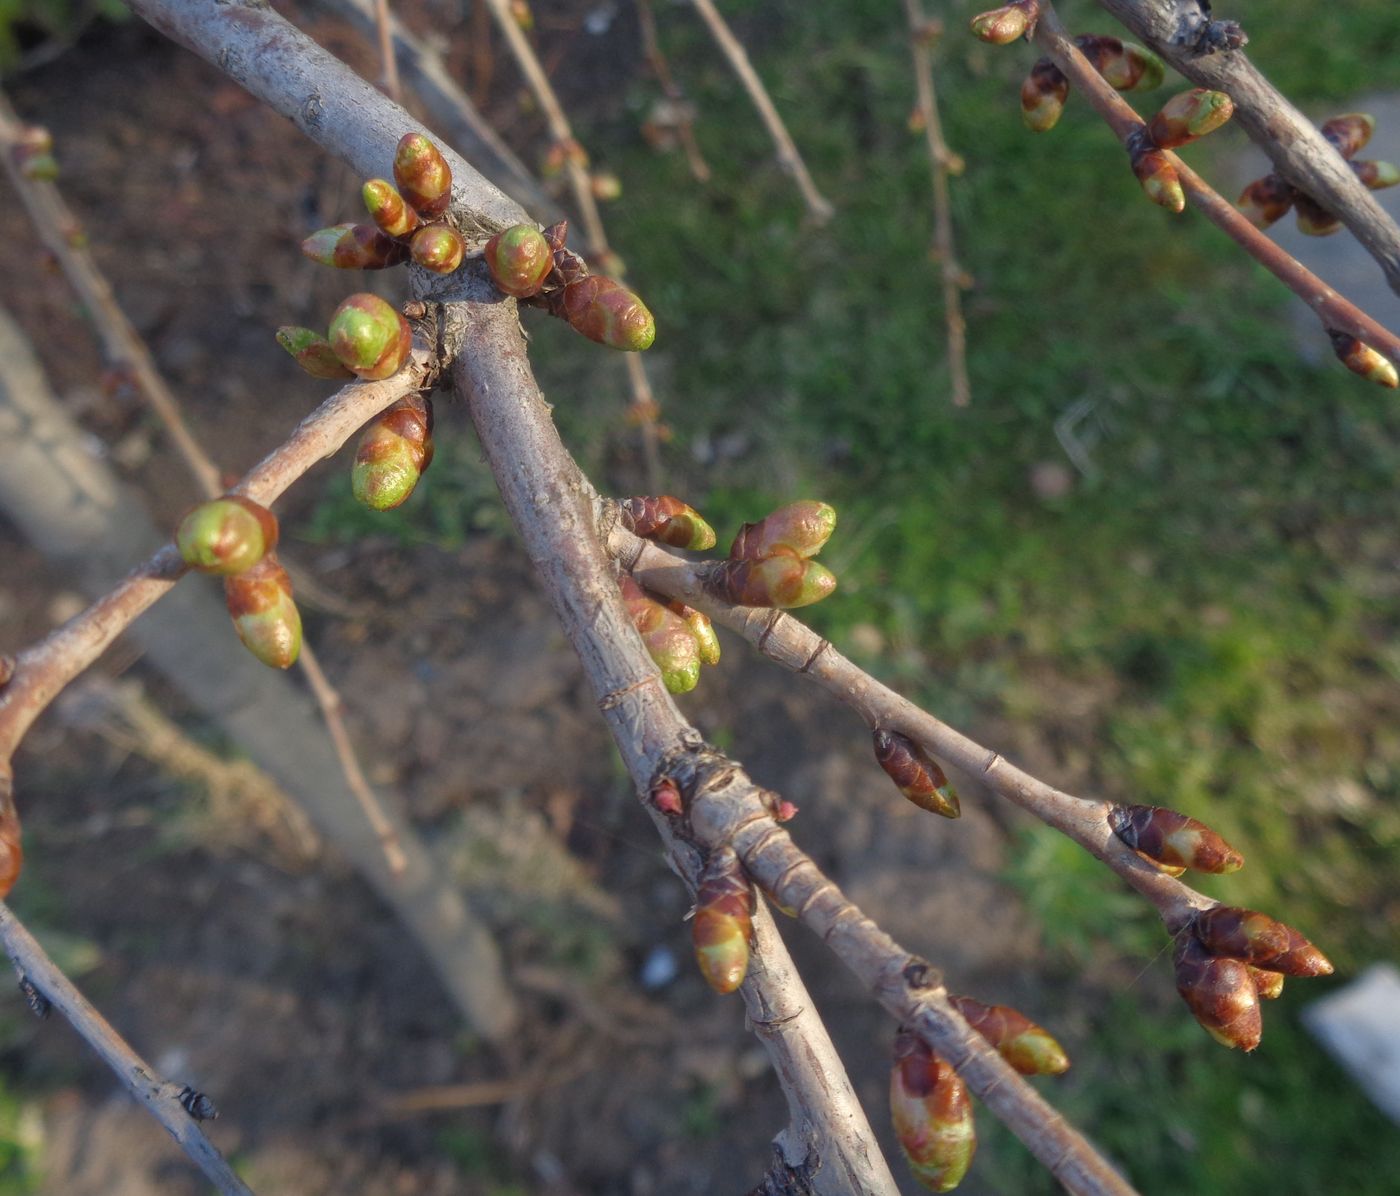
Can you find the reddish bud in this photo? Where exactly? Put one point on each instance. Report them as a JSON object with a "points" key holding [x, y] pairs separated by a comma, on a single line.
{"points": [[784, 580], [557, 234], [1361, 359], [370, 337], [1265, 201], [1159, 179], [668, 640], [1174, 839], [387, 208], [801, 528], [1349, 133], [1123, 65], [916, 774], [667, 520], [723, 922], [393, 454], [1313, 219], [1376, 176], [1043, 96], [354, 247], [1219, 992], [786, 811], [665, 795], [1259, 939], [1189, 116], [1004, 25], [438, 248], [423, 176], [228, 535], [932, 1115], [607, 312], [1269, 985], [312, 351], [264, 615], [1029, 1048], [11, 849], [520, 259]]}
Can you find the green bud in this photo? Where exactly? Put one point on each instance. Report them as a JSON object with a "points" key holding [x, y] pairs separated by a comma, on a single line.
{"points": [[423, 176], [702, 629], [264, 615], [668, 520], [1043, 96], [1265, 201], [1361, 359], [668, 640], [437, 248], [1348, 134], [370, 337], [1004, 25], [227, 535], [388, 209], [353, 247], [801, 528], [1376, 176], [1188, 116], [1159, 179], [393, 454], [520, 258], [932, 1115], [607, 312], [783, 580], [723, 922], [311, 351]]}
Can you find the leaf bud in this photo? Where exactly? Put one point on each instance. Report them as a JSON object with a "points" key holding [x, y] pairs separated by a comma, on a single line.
{"points": [[226, 535], [1259, 939], [370, 337], [1123, 65], [1173, 839], [665, 795], [438, 248], [915, 773], [1313, 219], [1350, 133], [1159, 179], [1376, 176], [311, 351], [702, 629], [264, 615], [723, 922], [667, 638], [1219, 992], [932, 1115], [1265, 201], [520, 259], [1361, 359], [1189, 116], [667, 520], [423, 176], [607, 312], [394, 452], [387, 208], [1004, 25], [1029, 1048], [1043, 96], [783, 580], [801, 528], [354, 247]]}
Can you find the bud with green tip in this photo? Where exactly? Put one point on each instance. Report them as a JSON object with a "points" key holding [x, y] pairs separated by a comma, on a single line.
{"points": [[1159, 178], [1348, 134], [226, 535], [667, 520], [394, 452], [370, 337], [915, 773], [264, 615], [706, 641], [801, 528], [1123, 65], [605, 311], [423, 176], [1043, 96], [666, 637], [387, 208], [1189, 116], [354, 247], [1265, 201], [520, 258], [1259, 939], [782, 580], [312, 351], [723, 922], [932, 1115], [1004, 25], [1376, 176], [1029, 1048], [1313, 219], [438, 248], [1171, 838], [1361, 359], [1220, 994]]}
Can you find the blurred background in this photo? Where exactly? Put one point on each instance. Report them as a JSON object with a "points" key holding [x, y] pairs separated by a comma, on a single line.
{"points": [[1154, 560]]}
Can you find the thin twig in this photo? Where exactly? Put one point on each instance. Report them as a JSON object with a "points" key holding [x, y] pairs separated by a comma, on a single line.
{"points": [[160, 1097], [685, 124], [941, 159], [389, 63], [819, 210]]}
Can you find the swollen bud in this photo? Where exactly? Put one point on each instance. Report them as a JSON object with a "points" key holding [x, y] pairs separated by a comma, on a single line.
{"points": [[264, 615], [932, 1115], [1029, 1048], [520, 258], [1043, 96], [1188, 116], [1004, 25], [423, 176], [801, 528], [393, 454], [353, 247], [1123, 65], [388, 209], [784, 580], [1220, 994], [1349, 133], [369, 337], [916, 773], [1159, 179], [312, 351], [723, 922], [227, 535], [1376, 176], [667, 520], [706, 641], [1265, 201], [1361, 359], [438, 248], [1173, 839], [1259, 939], [667, 638], [1313, 219], [607, 312]]}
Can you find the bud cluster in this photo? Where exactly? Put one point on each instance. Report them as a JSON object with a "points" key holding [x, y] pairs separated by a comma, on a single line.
{"points": [[770, 562], [677, 638], [367, 339], [916, 773], [932, 1114], [668, 520], [723, 922]]}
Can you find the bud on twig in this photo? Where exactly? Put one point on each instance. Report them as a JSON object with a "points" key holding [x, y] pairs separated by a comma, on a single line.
{"points": [[388, 209], [1220, 994], [394, 452], [607, 312], [1029, 1048], [370, 337], [1361, 359], [801, 528], [916, 773], [1123, 65], [1043, 96], [706, 641], [1265, 201], [1173, 839], [665, 795], [264, 615], [227, 535], [1259, 939], [1313, 219], [312, 351], [423, 176], [668, 520], [1349, 134], [932, 1115], [1376, 176], [354, 247], [1189, 116], [667, 638], [1158, 177], [438, 248], [723, 922], [520, 258], [784, 580], [1004, 25]]}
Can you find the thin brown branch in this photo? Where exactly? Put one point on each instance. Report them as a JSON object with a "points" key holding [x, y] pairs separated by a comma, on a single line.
{"points": [[685, 124], [389, 63], [819, 210], [941, 160], [161, 1098], [1332, 309]]}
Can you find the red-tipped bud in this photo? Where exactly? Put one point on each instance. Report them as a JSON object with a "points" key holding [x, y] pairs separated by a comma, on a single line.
{"points": [[1349, 133], [423, 176], [1259, 939], [264, 614], [783, 580], [387, 208], [665, 795], [1220, 993], [371, 339], [607, 312], [1029, 1048], [702, 629], [312, 351], [1043, 96], [1376, 176], [1361, 359], [668, 639], [723, 922], [438, 248], [1269, 985], [521, 257], [786, 811], [1123, 65], [932, 1115], [915, 773], [1004, 25], [801, 528], [1189, 116], [667, 520], [32, 152], [1313, 219], [1170, 838], [228, 535], [353, 247], [1265, 201], [393, 454], [1159, 179]]}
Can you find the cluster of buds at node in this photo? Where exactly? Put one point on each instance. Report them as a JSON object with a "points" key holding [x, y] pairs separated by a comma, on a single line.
{"points": [[678, 638], [367, 339], [916, 774], [234, 538], [932, 1114], [32, 153], [668, 520], [538, 268], [1004, 25], [393, 454], [1124, 66], [770, 562], [723, 922], [1184, 118], [1030, 1049], [1173, 841]]}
